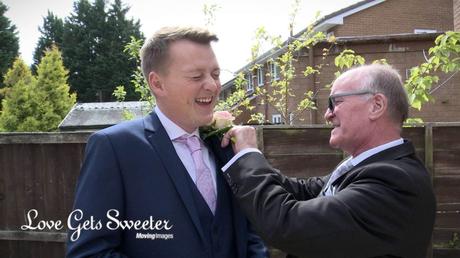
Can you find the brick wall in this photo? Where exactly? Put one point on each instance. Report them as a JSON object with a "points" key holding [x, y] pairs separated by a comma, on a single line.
{"points": [[398, 16]]}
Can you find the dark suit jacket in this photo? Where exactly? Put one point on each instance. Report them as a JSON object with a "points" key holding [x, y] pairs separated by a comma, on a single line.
{"points": [[384, 207], [133, 168]]}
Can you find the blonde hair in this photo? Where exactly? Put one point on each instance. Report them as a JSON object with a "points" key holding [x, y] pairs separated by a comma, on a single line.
{"points": [[154, 53]]}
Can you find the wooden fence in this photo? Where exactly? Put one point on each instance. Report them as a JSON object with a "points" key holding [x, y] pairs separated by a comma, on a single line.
{"points": [[39, 171]]}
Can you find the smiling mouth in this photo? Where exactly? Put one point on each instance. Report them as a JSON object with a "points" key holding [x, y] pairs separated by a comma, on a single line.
{"points": [[204, 101]]}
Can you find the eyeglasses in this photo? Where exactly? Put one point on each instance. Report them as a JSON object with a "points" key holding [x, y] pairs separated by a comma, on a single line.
{"points": [[332, 101]]}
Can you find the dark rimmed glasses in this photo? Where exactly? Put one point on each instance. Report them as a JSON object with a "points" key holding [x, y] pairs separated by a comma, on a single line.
{"points": [[332, 101]]}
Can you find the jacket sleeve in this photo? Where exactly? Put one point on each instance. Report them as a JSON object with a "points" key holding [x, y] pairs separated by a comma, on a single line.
{"points": [[356, 220], [99, 189]]}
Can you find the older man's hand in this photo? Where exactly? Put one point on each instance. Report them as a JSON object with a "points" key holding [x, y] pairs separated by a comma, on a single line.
{"points": [[242, 137]]}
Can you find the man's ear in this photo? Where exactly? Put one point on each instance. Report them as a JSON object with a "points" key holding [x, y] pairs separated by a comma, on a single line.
{"points": [[379, 106], [155, 84]]}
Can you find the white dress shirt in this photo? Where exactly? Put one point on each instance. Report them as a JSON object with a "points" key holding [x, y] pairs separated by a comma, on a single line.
{"points": [[350, 162], [354, 160], [371, 152], [174, 131]]}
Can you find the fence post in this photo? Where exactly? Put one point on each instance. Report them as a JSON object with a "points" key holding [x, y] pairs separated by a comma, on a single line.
{"points": [[260, 138], [429, 165]]}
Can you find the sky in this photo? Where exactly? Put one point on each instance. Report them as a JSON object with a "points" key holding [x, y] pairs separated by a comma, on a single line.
{"points": [[235, 21]]}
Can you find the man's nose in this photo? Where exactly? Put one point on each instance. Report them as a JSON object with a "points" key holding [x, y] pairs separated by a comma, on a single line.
{"points": [[211, 83], [328, 115]]}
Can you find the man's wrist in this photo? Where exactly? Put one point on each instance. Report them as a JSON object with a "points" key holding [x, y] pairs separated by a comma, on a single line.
{"points": [[238, 155]]}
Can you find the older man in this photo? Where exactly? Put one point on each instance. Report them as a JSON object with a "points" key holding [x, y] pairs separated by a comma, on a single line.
{"points": [[379, 202]]}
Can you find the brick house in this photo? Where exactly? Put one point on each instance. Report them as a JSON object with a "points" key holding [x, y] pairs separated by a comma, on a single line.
{"points": [[400, 31]]}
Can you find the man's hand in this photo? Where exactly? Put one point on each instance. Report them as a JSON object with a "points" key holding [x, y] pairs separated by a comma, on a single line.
{"points": [[242, 137]]}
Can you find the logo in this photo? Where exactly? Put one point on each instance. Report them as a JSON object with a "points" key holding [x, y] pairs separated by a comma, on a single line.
{"points": [[78, 223]]}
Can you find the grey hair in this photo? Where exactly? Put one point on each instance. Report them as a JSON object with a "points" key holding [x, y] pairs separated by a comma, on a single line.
{"points": [[384, 79]]}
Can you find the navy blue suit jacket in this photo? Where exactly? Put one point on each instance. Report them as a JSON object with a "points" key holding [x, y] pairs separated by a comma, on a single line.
{"points": [[133, 168]]}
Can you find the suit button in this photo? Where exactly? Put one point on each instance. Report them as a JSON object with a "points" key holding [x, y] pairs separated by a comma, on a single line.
{"points": [[227, 176]]}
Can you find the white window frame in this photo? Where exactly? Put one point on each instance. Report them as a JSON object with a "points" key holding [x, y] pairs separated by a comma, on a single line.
{"points": [[274, 71], [420, 31], [276, 119], [291, 118], [408, 73], [260, 76], [250, 82]]}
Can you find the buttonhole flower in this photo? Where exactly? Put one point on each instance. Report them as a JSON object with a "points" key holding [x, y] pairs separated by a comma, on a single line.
{"points": [[221, 122]]}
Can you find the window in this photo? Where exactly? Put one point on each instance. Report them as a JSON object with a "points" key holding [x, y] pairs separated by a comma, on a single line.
{"points": [[274, 71], [250, 83], [408, 73], [260, 76], [418, 31], [224, 94], [276, 119], [291, 118]]}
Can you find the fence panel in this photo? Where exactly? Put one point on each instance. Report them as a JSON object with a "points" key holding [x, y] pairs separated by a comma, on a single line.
{"points": [[39, 171]]}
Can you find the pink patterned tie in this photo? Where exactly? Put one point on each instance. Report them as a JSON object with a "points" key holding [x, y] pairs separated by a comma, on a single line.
{"points": [[204, 181]]}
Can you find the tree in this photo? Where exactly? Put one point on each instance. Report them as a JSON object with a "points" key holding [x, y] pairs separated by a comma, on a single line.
{"points": [[141, 86], [443, 56], [9, 43], [93, 43], [19, 71], [280, 95], [37, 104], [20, 102], [52, 88], [51, 34]]}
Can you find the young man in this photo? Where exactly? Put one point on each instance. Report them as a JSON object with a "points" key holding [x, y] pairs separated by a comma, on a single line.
{"points": [[147, 171]]}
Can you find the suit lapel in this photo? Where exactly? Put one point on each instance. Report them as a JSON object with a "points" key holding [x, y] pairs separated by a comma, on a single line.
{"points": [[221, 157], [392, 153], [158, 138]]}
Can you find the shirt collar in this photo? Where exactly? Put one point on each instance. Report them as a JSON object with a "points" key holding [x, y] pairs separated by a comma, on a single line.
{"points": [[173, 130], [358, 159]]}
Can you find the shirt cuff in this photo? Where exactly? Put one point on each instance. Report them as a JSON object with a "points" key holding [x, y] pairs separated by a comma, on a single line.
{"points": [[238, 155]]}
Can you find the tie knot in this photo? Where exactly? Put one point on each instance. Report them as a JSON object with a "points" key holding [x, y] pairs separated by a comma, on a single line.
{"points": [[192, 142]]}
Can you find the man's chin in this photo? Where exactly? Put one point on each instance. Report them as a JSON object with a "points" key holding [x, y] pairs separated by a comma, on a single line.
{"points": [[333, 143]]}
